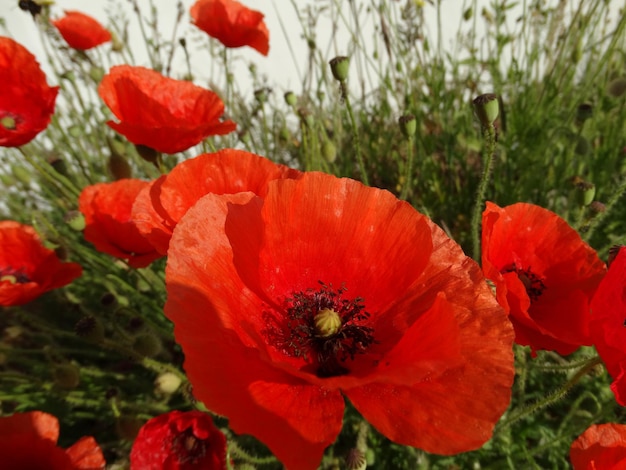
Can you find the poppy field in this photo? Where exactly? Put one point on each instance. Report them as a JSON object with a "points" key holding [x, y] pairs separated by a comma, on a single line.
{"points": [[413, 258]]}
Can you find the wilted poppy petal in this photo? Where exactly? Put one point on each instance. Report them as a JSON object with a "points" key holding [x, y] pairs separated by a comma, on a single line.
{"points": [[26, 100], [231, 23], [81, 31], [162, 113]]}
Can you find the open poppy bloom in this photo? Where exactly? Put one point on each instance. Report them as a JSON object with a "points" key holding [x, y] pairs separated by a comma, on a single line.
{"points": [[232, 24], [108, 223], [600, 447], [27, 268], [179, 440], [608, 324], [26, 100], [325, 289], [161, 205], [162, 113], [29, 441], [544, 273], [80, 31]]}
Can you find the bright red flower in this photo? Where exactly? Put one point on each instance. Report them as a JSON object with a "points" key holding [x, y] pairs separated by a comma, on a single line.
{"points": [[26, 100], [608, 324], [109, 226], [160, 206], [544, 273], [81, 31], [28, 441], [600, 447], [326, 288], [179, 441], [27, 268], [232, 24], [164, 114]]}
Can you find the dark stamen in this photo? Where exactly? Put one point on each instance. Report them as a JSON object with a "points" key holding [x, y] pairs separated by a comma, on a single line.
{"points": [[534, 284]]}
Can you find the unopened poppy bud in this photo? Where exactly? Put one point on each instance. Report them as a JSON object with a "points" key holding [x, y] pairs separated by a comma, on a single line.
{"points": [[116, 43], [96, 74], [290, 98], [583, 112], [147, 344], [339, 66], [261, 95], [486, 108], [585, 192], [108, 300], [90, 328], [75, 220], [327, 322], [468, 13], [128, 427], [617, 87], [61, 253], [119, 167], [582, 146], [66, 376], [597, 207], [147, 153], [408, 125], [59, 165], [167, 383], [21, 174], [355, 460], [329, 151]]}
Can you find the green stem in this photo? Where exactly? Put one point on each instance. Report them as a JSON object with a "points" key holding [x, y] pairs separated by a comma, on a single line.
{"points": [[551, 398], [355, 133], [489, 135], [409, 170]]}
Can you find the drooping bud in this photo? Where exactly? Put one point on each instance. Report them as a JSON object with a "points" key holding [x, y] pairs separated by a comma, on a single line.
{"points": [[486, 108], [585, 192], [617, 87], [583, 112], [66, 376], [329, 151], [90, 328], [75, 220], [147, 153], [147, 344], [339, 66], [290, 98], [119, 167]]}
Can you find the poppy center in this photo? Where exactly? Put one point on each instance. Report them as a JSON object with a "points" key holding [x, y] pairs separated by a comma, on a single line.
{"points": [[533, 284], [13, 276], [323, 327], [8, 122], [189, 448]]}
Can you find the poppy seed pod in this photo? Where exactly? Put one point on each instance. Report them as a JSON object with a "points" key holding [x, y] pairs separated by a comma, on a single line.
{"points": [[340, 66], [408, 125], [486, 108]]}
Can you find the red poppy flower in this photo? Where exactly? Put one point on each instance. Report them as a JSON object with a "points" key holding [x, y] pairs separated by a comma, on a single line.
{"points": [[27, 268], [544, 273], [164, 114], [608, 324], [179, 441], [232, 24], [108, 223], [326, 288], [81, 31], [600, 447], [28, 441], [26, 100], [160, 206]]}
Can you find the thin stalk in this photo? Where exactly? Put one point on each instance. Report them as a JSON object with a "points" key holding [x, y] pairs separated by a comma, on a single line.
{"points": [[489, 135], [355, 133], [409, 169]]}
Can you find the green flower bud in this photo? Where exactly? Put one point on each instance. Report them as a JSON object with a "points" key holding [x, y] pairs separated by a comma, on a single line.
{"points": [[147, 345], [617, 87], [408, 125], [585, 192], [584, 112], [486, 108], [90, 328], [147, 153], [119, 167], [329, 151], [290, 98], [66, 376], [167, 383], [75, 220], [339, 66]]}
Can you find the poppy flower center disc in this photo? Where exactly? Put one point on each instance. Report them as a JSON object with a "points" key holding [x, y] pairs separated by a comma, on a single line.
{"points": [[533, 284], [13, 276], [322, 327]]}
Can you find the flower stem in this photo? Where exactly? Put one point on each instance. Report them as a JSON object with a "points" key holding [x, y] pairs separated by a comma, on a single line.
{"points": [[551, 398], [409, 169], [355, 134], [489, 135]]}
